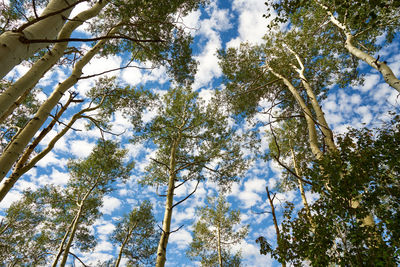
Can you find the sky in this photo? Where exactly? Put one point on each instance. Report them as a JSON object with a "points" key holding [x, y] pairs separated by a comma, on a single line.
{"points": [[219, 25]]}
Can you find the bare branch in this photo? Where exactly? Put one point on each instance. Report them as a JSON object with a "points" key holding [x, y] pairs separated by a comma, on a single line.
{"points": [[179, 202], [24, 40]]}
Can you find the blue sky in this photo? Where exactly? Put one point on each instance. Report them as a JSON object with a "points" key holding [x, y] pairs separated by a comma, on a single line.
{"points": [[220, 25]]}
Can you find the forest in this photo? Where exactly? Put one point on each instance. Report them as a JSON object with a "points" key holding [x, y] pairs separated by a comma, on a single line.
{"points": [[199, 133]]}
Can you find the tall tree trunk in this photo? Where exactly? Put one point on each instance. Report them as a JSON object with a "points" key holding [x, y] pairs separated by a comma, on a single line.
{"points": [[380, 66], [13, 51], [301, 188], [74, 227], [11, 97], [21, 169], [278, 234], [21, 140], [312, 133], [166, 227], [219, 246], [325, 129], [128, 236]]}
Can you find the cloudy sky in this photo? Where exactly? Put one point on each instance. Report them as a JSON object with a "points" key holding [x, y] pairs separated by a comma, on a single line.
{"points": [[220, 25]]}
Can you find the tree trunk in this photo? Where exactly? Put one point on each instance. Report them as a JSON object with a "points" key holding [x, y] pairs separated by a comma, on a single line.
{"points": [[9, 99], [75, 227], [9, 182], [219, 247], [13, 51], [278, 234], [302, 193], [380, 66], [128, 236], [166, 227], [21, 140], [325, 129], [312, 133]]}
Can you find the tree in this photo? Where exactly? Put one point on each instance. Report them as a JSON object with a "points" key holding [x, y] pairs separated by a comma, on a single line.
{"points": [[14, 49], [290, 71], [368, 162], [106, 97], [57, 218], [358, 23], [215, 233], [191, 146], [90, 180], [165, 44], [137, 236]]}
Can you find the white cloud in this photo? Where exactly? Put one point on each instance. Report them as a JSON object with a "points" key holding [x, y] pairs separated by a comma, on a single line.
{"points": [[106, 228], [132, 76], [250, 195], [181, 238], [371, 80], [110, 204], [56, 178], [252, 25], [9, 199], [81, 148]]}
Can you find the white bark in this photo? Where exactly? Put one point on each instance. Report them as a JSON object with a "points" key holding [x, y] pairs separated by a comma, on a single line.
{"points": [[380, 66], [127, 237], [326, 130], [166, 227], [21, 168], [21, 140], [13, 51], [312, 133], [25, 84], [219, 246]]}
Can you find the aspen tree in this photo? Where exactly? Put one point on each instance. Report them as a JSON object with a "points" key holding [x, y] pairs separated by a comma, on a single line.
{"points": [[14, 47], [194, 144], [136, 234], [214, 234]]}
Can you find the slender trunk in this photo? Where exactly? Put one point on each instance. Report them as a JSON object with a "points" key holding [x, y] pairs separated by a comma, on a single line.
{"points": [[128, 236], [13, 51], [278, 234], [14, 95], [61, 247], [325, 129], [302, 193], [312, 133], [380, 66], [166, 227], [75, 226], [9, 182], [71, 238], [21, 140], [219, 246]]}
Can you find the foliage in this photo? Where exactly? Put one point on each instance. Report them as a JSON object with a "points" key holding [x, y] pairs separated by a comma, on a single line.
{"points": [[35, 225], [18, 119], [369, 164], [138, 228], [154, 24], [217, 226], [206, 146]]}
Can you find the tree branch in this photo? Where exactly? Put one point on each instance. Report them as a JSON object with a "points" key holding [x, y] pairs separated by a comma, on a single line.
{"points": [[179, 202], [24, 40], [23, 27]]}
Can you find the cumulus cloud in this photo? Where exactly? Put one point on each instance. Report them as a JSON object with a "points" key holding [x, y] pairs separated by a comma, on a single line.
{"points": [[110, 204]]}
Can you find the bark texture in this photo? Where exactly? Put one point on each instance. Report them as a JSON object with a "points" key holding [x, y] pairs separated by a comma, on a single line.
{"points": [[11, 97], [21, 140], [312, 133], [13, 51], [166, 227]]}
